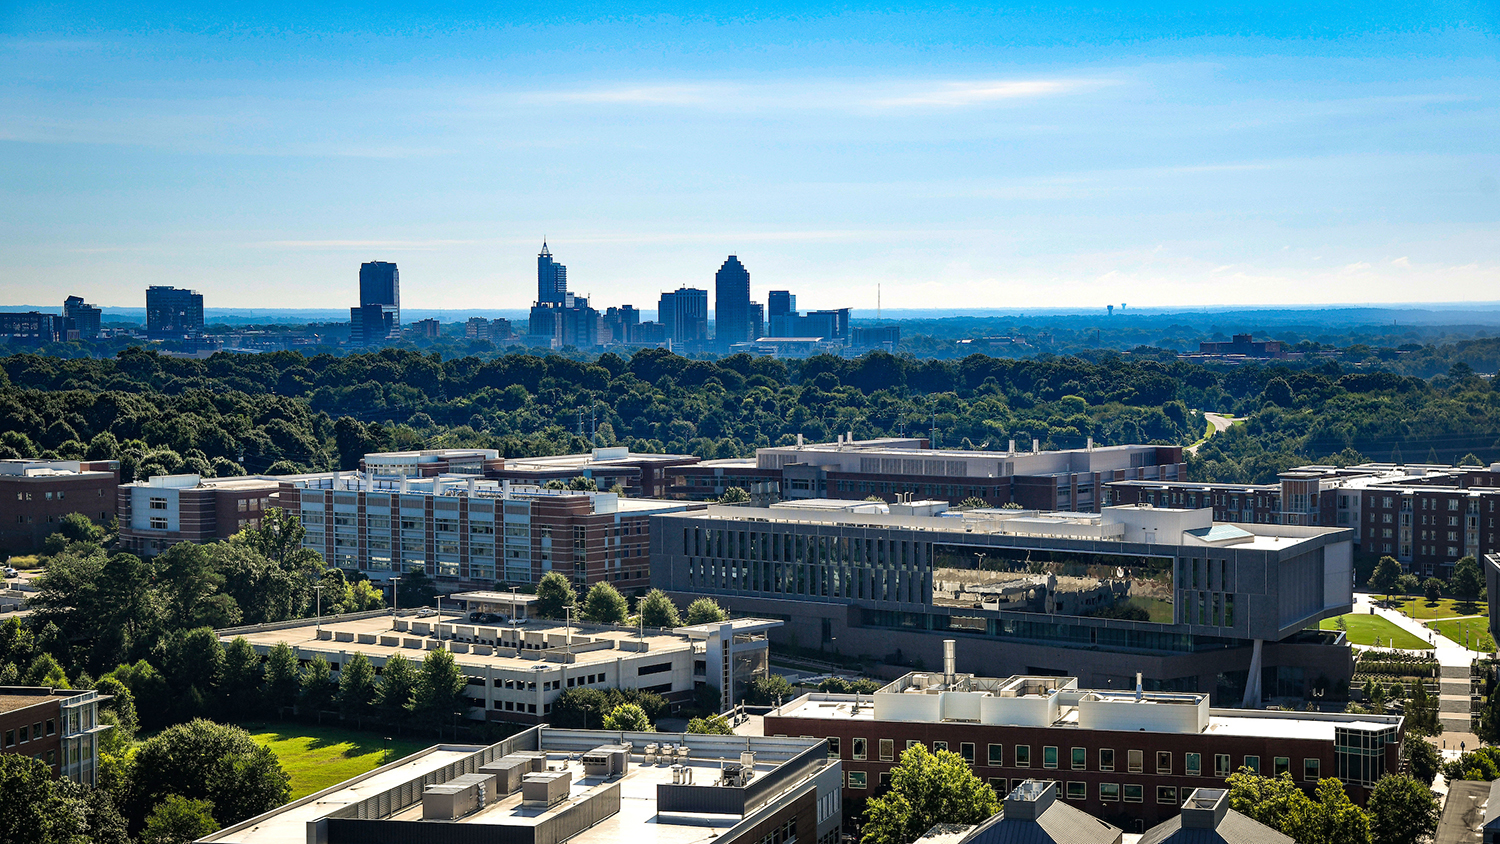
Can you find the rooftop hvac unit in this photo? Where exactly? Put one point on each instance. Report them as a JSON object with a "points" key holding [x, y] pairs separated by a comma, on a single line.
{"points": [[607, 761], [457, 797], [508, 771], [545, 789]]}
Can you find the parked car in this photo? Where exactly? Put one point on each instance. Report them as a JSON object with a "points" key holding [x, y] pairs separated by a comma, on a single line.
{"points": [[10, 572]]}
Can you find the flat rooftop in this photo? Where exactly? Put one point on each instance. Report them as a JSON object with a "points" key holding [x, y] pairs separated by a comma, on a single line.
{"points": [[13, 698], [637, 820], [376, 637], [598, 457]]}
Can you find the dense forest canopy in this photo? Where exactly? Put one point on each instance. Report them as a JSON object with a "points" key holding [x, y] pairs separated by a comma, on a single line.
{"points": [[286, 412]]}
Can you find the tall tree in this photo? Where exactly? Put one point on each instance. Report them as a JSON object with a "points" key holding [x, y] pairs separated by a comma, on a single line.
{"points": [[316, 687], [356, 694], [202, 760], [281, 683], [240, 688], [1387, 572], [628, 716], [440, 690], [705, 611], [179, 820], [927, 788], [657, 610], [604, 604], [554, 592], [1402, 811], [1467, 582], [39, 808], [398, 682]]}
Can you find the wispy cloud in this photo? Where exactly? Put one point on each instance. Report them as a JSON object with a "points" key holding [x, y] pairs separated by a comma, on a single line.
{"points": [[956, 94]]}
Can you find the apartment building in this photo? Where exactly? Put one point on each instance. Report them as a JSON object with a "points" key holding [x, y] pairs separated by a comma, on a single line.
{"points": [[1425, 516], [1128, 757], [638, 475], [57, 726], [158, 513], [575, 786], [36, 494], [517, 668], [1071, 480], [1198, 606]]}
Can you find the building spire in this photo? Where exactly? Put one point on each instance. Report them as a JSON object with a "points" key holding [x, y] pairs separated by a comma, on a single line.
{"points": [[545, 253]]}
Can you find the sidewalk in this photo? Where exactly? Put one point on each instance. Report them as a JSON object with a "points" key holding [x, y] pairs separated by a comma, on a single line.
{"points": [[1448, 652], [1455, 662]]}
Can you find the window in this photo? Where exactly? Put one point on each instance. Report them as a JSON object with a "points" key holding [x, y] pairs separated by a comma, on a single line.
{"points": [[1310, 769], [1163, 762], [887, 749], [966, 750], [1106, 759], [859, 779], [1023, 756], [1221, 765], [1136, 760], [939, 745], [861, 748], [996, 755], [1080, 758], [910, 744], [1134, 794], [158, 504], [1280, 764], [884, 779], [1109, 792], [1253, 763], [1166, 795], [833, 748], [26, 734], [1049, 757], [1192, 764], [999, 784], [52, 728], [1078, 791], [158, 523], [10, 738]]}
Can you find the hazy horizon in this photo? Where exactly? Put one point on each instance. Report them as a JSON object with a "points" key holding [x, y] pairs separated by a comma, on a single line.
{"points": [[954, 158]]}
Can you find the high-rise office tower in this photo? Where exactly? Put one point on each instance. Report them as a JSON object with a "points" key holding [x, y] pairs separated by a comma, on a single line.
{"points": [[732, 304], [80, 317], [551, 279], [684, 316], [378, 317], [173, 312], [780, 306]]}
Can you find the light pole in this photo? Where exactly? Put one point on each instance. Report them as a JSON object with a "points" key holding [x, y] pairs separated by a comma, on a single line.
{"points": [[586, 708], [440, 618], [318, 599], [395, 599]]}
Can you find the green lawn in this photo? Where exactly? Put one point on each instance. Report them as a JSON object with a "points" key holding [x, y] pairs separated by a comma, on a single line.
{"points": [[1419, 608], [317, 757], [1364, 629], [1478, 629]]}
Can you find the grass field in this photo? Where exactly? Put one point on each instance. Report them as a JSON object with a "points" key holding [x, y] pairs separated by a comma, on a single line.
{"points": [[1478, 629], [1365, 629], [1419, 608], [317, 757]]}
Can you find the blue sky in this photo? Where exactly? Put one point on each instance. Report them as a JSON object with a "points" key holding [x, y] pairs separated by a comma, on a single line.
{"points": [[952, 156]]}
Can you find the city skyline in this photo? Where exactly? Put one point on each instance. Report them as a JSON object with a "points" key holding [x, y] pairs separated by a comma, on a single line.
{"points": [[938, 154]]}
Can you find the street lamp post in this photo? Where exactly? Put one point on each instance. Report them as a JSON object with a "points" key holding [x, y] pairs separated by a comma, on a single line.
{"points": [[586, 708], [318, 599], [395, 599]]}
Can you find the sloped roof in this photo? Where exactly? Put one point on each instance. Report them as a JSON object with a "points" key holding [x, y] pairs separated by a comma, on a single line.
{"points": [[1060, 824], [1235, 828]]}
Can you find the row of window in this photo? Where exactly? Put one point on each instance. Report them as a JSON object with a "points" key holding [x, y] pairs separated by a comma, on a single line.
{"points": [[1078, 758], [25, 734], [50, 495]]}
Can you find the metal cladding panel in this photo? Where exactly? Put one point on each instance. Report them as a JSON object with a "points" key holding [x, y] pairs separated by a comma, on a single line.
{"points": [[700, 799], [355, 831]]}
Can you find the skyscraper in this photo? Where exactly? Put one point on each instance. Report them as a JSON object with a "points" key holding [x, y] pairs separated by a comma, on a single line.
{"points": [[378, 317], [684, 315], [780, 306], [173, 312], [732, 304], [82, 318], [551, 279]]}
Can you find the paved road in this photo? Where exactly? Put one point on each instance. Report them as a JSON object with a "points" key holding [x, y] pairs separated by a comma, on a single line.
{"points": [[1220, 423]]}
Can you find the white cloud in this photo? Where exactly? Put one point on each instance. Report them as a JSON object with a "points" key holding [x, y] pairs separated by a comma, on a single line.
{"points": [[979, 93]]}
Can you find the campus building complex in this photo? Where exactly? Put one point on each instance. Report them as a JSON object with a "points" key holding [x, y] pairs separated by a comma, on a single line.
{"points": [[160, 512], [59, 727], [1129, 757], [547, 786], [519, 665], [1071, 480], [1199, 606], [1426, 516], [36, 494]]}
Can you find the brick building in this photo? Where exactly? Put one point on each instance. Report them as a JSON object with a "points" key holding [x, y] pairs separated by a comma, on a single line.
{"points": [[36, 494], [1128, 758], [158, 513], [57, 726]]}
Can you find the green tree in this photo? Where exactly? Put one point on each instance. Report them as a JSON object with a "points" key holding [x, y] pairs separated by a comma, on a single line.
{"points": [[657, 610], [39, 808], [764, 691], [281, 683], [705, 611], [194, 660], [190, 587], [1432, 587], [240, 688], [202, 760], [398, 682], [1334, 819], [440, 690], [628, 716], [153, 697], [1467, 581], [1422, 759], [122, 705], [76, 527], [1408, 584], [1280, 804], [583, 484], [580, 708], [604, 604], [356, 696], [554, 592], [1402, 810], [1387, 572], [972, 503], [1422, 714], [713, 725], [927, 788], [179, 820], [734, 495], [316, 687]]}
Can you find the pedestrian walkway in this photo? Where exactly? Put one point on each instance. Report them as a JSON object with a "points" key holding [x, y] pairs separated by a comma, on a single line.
{"points": [[1447, 651], [1454, 660]]}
